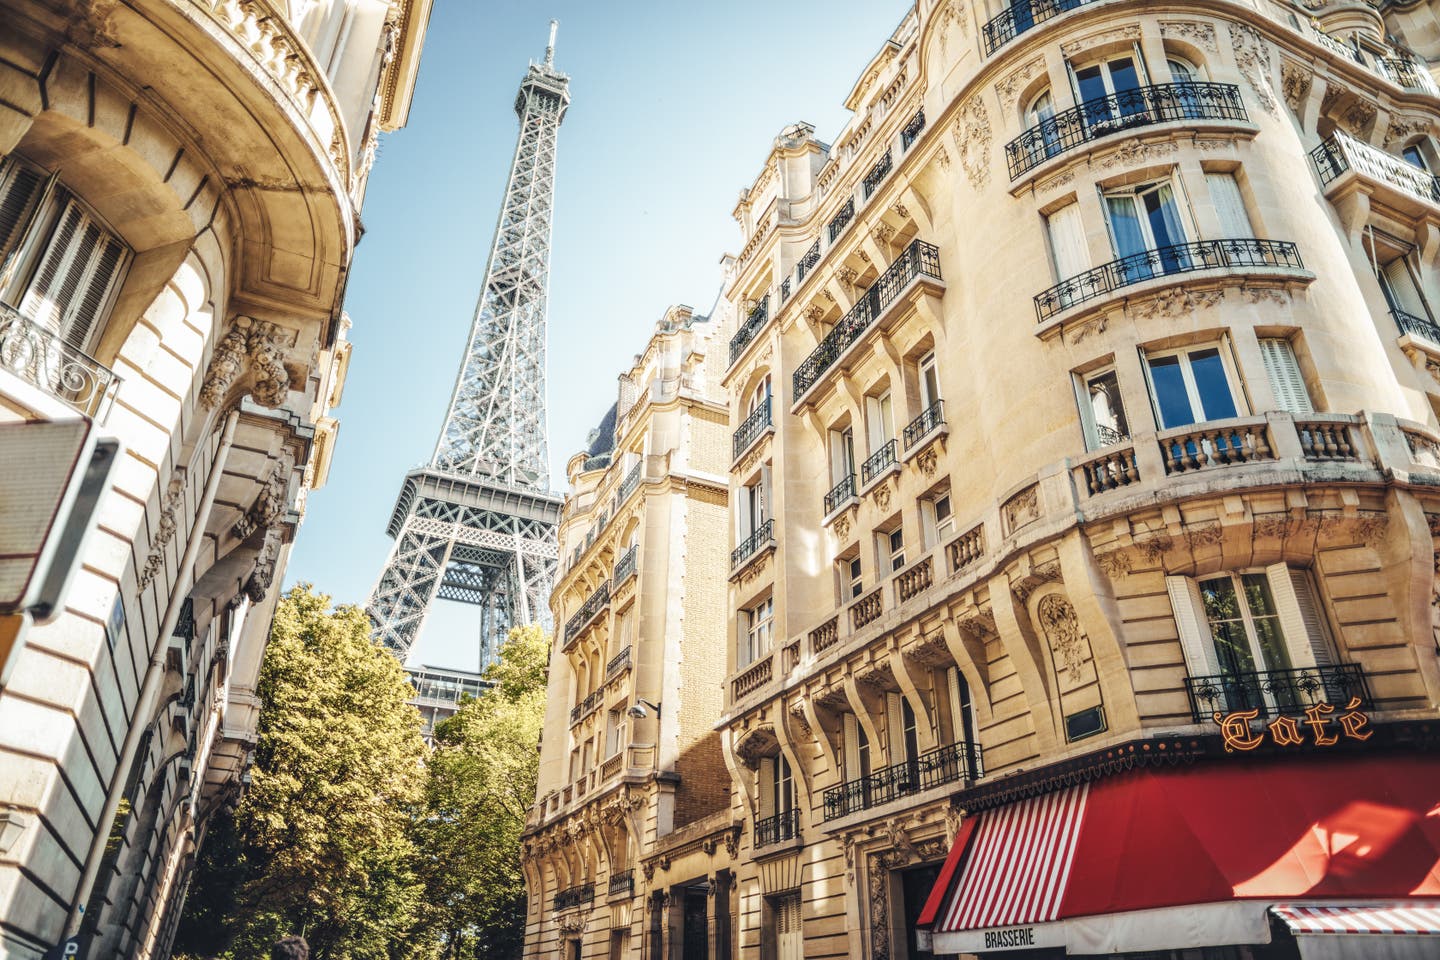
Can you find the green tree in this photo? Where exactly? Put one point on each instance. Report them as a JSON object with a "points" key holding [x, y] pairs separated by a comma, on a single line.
{"points": [[481, 785], [322, 841]]}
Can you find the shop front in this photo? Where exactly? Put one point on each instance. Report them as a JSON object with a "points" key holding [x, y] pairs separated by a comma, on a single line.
{"points": [[1199, 855]]}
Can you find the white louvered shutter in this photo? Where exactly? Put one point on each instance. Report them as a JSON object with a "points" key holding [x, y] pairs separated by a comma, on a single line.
{"points": [[895, 728], [1229, 206], [764, 499], [1067, 241], [767, 787], [20, 191], [1193, 627], [1285, 378], [1300, 620], [851, 747], [957, 704], [789, 932], [75, 275]]}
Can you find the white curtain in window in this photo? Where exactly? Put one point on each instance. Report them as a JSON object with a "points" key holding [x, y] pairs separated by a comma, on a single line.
{"points": [[1067, 242], [1285, 378], [1229, 206]]}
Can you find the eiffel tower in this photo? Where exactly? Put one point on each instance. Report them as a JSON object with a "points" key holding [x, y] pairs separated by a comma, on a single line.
{"points": [[477, 524]]}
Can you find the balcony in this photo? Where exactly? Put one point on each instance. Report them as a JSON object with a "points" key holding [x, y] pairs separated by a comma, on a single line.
{"points": [[764, 534], [629, 485], [912, 130], [622, 883], [755, 425], [840, 221], [1215, 443], [1413, 326], [585, 707], [598, 601], [914, 580], [574, 896], [920, 259], [807, 262], [1406, 74], [757, 319], [1182, 258], [43, 359], [618, 663], [1103, 116], [625, 568], [877, 174], [878, 462], [785, 825], [758, 674], [866, 610], [1021, 16], [1273, 692], [948, 764], [1340, 154], [842, 493], [966, 548], [825, 636], [929, 421]]}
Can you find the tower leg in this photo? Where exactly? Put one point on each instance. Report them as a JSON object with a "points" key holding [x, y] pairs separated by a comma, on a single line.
{"points": [[407, 586]]}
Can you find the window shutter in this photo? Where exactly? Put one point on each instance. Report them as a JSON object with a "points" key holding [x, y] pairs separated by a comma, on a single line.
{"points": [[789, 933], [1067, 242], [95, 293], [851, 746], [20, 190], [764, 511], [895, 728], [1192, 625], [1300, 618], [40, 301], [767, 787], [1285, 378], [957, 708], [1229, 206]]}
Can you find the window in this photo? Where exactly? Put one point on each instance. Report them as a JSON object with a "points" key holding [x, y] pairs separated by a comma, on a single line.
{"points": [[1229, 206], [1118, 77], [614, 731], [1184, 75], [929, 382], [879, 420], [962, 715], [855, 748], [937, 523], [1068, 247], [759, 397], [851, 583], [59, 265], [1146, 228], [1284, 373], [789, 930], [901, 731], [1102, 411], [892, 550], [1414, 156], [754, 506], [1190, 386], [842, 454], [1393, 269], [758, 621], [1041, 114], [1240, 623]]}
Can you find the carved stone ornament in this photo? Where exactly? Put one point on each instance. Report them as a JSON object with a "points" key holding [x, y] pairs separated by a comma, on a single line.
{"points": [[1154, 547], [953, 819], [1022, 508], [1129, 32], [881, 494], [1252, 56], [880, 677], [927, 461], [931, 651], [1402, 129], [1295, 83], [1134, 153], [882, 233], [797, 710], [1175, 302], [847, 275], [950, 15], [813, 313], [1201, 35], [571, 923], [165, 530], [263, 574], [1370, 528], [1259, 295], [225, 366], [1208, 535], [842, 526], [755, 746], [732, 840], [270, 502], [972, 138], [1017, 78], [1116, 563], [1062, 630], [900, 210], [942, 156]]}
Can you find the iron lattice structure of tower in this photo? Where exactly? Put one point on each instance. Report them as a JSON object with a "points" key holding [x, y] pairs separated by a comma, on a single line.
{"points": [[477, 524]]}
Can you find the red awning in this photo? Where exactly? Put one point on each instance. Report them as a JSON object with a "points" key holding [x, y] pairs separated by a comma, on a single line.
{"points": [[1394, 919], [1349, 828]]}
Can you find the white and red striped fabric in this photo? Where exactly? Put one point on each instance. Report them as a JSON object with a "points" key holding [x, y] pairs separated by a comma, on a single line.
{"points": [[1019, 863], [1412, 919]]}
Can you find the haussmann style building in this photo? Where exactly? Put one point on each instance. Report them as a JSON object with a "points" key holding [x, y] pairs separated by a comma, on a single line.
{"points": [[180, 185], [1084, 481]]}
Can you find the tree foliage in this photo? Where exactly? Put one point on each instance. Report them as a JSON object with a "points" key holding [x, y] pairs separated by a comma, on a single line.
{"points": [[481, 784], [322, 842]]}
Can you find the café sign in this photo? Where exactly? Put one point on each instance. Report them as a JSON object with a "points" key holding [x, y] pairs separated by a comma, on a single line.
{"points": [[1320, 726]]}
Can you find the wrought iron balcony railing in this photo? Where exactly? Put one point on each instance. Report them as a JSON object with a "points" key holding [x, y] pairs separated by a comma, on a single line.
{"points": [[1021, 16], [628, 485], [918, 259], [622, 882], [618, 662], [1141, 107], [574, 896], [931, 419], [42, 358], [1406, 73], [785, 290], [785, 825], [842, 491], [1340, 152], [947, 764], [751, 429], [841, 220], [807, 262], [758, 316], [913, 129], [1273, 692], [763, 534], [585, 707], [878, 462], [1416, 326], [1236, 254], [625, 566], [877, 173], [587, 612]]}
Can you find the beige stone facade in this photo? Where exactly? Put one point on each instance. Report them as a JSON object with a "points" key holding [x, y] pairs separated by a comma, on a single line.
{"points": [[630, 842], [179, 194], [1082, 389]]}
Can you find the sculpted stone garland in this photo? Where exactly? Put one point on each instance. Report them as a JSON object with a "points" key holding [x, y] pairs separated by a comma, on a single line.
{"points": [[252, 343]]}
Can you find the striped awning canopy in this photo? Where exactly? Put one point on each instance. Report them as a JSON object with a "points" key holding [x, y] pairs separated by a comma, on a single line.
{"points": [[1395, 919]]}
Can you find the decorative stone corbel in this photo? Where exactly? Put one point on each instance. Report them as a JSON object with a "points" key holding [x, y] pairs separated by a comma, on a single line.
{"points": [[270, 503], [257, 344]]}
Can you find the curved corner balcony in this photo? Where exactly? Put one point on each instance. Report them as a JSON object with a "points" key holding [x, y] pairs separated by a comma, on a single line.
{"points": [[1239, 254], [919, 261], [1342, 162], [41, 357], [1119, 112]]}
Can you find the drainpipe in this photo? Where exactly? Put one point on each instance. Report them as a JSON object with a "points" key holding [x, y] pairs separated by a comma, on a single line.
{"points": [[154, 676]]}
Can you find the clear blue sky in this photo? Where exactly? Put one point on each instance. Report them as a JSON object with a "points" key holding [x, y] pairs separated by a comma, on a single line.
{"points": [[673, 108]]}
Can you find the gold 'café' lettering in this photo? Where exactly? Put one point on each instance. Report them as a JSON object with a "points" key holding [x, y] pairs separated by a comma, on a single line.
{"points": [[1285, 731]]}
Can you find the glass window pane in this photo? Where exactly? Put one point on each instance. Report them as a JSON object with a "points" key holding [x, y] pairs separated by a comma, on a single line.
{"points": [[1125, 225], [1222, 610], [1092, 85], [1107, 409], [1216, 401], [1170, 395], [1123, 75], [1164, 217]]}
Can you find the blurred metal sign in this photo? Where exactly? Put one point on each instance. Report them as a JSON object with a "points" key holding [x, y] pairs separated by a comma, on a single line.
{"points": [[52, 476]]}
